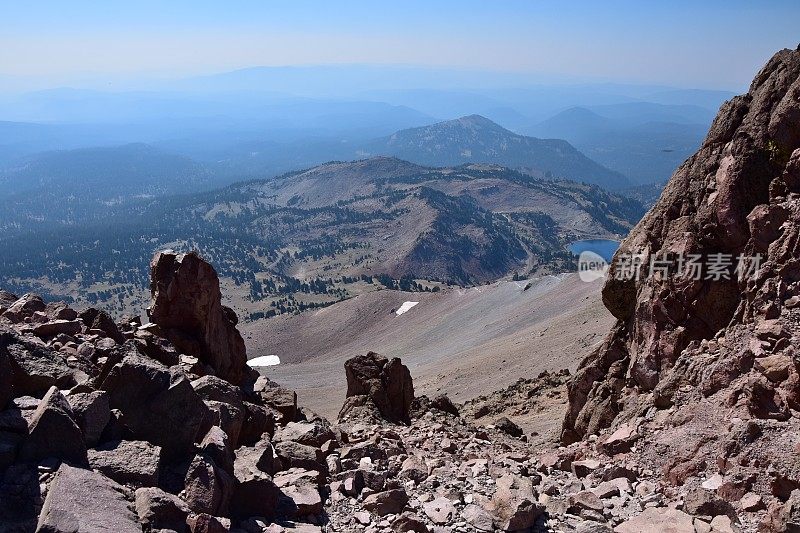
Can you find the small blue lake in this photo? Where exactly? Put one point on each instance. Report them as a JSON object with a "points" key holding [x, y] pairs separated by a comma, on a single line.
{"points": [[605, 248]]}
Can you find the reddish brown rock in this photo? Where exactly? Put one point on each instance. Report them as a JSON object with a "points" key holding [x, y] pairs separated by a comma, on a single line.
{"points": [[374, 381], [205, 523], [92, 413], [775, 367], [58, 327], [729, 198], [254, 492], [783, 517], [208, 488], [158, 404], [658, 520], [187, 305], [283, 401], [313, 433], [128, 462], [82, 500], [24, 307], [387, 502], [160, 510]]}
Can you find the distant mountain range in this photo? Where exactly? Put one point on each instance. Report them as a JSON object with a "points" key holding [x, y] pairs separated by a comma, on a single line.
{"points": [[644, 141], [73, 185], [470, 139], [326, 228]]}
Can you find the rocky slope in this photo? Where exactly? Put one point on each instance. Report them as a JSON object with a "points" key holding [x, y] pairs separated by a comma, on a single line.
{"points": [[703, 373], [462, 342], [162, 426]]}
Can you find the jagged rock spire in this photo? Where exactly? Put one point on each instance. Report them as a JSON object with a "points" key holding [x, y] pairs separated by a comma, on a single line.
{"points": [[187, 305]]}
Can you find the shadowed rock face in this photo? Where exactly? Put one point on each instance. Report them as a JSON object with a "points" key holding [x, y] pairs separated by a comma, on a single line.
{"points": [[737, 195], [187, 305], [375, 382], [149, 425]]}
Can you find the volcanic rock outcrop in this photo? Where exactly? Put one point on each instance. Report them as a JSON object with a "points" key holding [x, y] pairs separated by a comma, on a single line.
{"points": [[377, 383], [187, 306], [108, 426], [700, 374]]}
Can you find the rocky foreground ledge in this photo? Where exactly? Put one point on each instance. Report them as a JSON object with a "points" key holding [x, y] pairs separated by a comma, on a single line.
{"points": [[126, 427]]}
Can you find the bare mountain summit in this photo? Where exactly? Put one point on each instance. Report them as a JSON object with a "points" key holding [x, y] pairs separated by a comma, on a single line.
{"points": [[476, 139]]}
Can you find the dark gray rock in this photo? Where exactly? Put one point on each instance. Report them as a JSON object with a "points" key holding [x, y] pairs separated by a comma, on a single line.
{"points": [[6, 380], [158, 404], [92, 413], [87, 502], [53, 432], [133, 462], [508, 427], [35, 367], [160, 510], [258, 420]]}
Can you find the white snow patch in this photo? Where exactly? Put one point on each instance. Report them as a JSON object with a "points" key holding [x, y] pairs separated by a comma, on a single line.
{"points": [[405, 307], [264, 360]]}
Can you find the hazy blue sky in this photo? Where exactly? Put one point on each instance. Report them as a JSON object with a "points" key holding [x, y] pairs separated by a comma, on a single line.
{"points": [[707, 43]]}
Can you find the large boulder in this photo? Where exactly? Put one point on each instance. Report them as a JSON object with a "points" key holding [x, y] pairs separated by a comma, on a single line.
{"points": [[655, 520], [7, 299], [387, 502], [255, 494], [24, 307], [281, 400], [158, 404], [373, 380], [514, 504], [53, 432], [187, 305], [101, 322], [34, 366], [160, 510], [299, 493], [57, 327], [312, 433], [208, 488], [295, 455], [92, 413], [86, 502], [129, 462]]}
